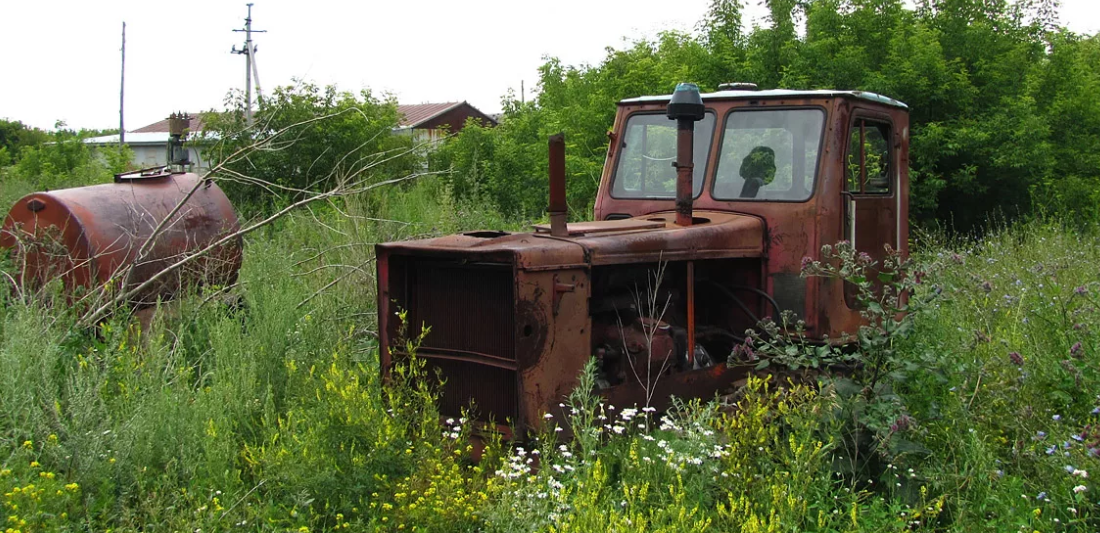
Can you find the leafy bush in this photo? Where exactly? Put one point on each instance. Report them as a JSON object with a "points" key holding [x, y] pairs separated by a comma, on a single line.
{"points": [[62, 160], [1003, 121], [316, 138]]}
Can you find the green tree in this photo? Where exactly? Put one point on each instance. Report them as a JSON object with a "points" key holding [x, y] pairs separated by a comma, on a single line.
{"points": [[1003, 115], [14, 136], [321, 135]]}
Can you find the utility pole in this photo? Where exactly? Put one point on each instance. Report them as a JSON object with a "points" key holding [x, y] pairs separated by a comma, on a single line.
{"points": [[249, 70], [522, 94], [122, 92]]}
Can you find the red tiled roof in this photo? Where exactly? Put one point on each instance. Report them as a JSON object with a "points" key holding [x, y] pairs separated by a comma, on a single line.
{"points": [[194, 126], [415, 114]]}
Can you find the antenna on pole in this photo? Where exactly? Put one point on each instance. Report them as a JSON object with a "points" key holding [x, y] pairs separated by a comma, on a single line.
{"points": [[122, 92], [250, 70]]}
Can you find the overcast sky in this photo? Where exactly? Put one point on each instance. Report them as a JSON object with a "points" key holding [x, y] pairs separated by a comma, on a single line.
{"points": [[61, 58]]}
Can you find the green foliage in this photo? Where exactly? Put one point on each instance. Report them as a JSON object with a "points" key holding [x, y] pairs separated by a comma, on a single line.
{"points": [[14, 136], [268, 414], [57, 160], [1007, 391], [872, 426], [1003, 115], [315, 138]]}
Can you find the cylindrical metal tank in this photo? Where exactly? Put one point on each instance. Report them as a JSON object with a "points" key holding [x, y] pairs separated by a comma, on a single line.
{"points": [[86, 235]]}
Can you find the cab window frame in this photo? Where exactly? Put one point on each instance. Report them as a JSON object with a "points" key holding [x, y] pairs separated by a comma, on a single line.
{"points": [[892, 172], [814, 179], [619, 158]]}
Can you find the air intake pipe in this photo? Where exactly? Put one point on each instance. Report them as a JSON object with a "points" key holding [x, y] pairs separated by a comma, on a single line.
{"points": [[686, 108], [558, 208]]}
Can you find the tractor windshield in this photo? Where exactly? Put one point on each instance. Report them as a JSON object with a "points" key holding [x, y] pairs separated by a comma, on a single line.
{"points": [[769, 154], [647, 152]]}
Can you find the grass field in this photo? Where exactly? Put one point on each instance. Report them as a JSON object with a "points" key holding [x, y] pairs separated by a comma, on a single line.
{"points": [[269, 416]]}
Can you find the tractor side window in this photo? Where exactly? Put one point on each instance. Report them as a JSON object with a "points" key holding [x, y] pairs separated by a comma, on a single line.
{"points": [[868, 160], [647, 152], [769, 154]]}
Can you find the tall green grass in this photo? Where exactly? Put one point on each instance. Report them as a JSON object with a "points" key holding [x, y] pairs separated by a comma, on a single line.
{"points": [[266, 412]]}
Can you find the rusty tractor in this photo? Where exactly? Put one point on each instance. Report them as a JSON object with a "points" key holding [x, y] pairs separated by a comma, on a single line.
{"points": [[707, 205]]}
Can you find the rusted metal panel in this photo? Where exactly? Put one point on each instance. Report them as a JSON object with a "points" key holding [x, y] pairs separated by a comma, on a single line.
{"points": [[85, 235], [603, 226], [715, 234]]}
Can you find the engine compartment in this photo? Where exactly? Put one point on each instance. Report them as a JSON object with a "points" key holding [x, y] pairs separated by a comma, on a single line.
{"points": [[640, 319]]}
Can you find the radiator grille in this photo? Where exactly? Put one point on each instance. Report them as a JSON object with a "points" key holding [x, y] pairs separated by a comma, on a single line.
{"points": [[469, 309], [491, 389]]}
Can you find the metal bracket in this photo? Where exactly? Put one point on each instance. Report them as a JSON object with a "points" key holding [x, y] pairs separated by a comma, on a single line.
{"points": [[144, 174], [559, 290]]}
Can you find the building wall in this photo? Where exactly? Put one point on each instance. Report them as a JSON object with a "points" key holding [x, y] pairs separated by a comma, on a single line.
{"points": [[148, 156], [154, 155]]}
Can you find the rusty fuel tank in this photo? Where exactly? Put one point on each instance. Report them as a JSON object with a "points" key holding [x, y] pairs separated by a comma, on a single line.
{"points": [[89, 235]]}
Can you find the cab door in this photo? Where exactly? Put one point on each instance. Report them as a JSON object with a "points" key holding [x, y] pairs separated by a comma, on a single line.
{"points": [[871, 190]]}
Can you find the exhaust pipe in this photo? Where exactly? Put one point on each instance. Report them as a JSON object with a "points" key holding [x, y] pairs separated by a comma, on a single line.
{"points": [[686, 108], [558, 208]]}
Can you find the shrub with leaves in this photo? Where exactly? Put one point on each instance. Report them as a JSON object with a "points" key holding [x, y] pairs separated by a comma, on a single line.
{"points": [[865, 367]]}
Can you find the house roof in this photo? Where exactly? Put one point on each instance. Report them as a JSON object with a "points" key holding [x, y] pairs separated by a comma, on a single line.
{"points": [[413, 115], [155, 133], [195, 125]]}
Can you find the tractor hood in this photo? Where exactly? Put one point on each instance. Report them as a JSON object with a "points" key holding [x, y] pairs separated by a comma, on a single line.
{"points": [[645, 239]]}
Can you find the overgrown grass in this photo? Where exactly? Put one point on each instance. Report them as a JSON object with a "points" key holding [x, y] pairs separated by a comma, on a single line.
{"points": [[1007, 404], [268, 415]]}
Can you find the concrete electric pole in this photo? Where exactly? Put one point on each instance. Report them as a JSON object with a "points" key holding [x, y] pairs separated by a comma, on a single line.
{"points": [[122, 92], [250, 70]]}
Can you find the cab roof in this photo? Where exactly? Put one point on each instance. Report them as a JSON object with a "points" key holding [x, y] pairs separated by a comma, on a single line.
{"points": [[774, 93]]}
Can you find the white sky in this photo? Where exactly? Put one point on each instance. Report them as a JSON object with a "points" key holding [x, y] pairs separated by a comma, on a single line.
{"points": [[61, 58]]}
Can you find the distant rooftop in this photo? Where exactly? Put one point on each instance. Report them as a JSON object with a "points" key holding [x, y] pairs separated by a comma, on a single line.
{"points": [[412, 115], [155, 133], [195, 125]]}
